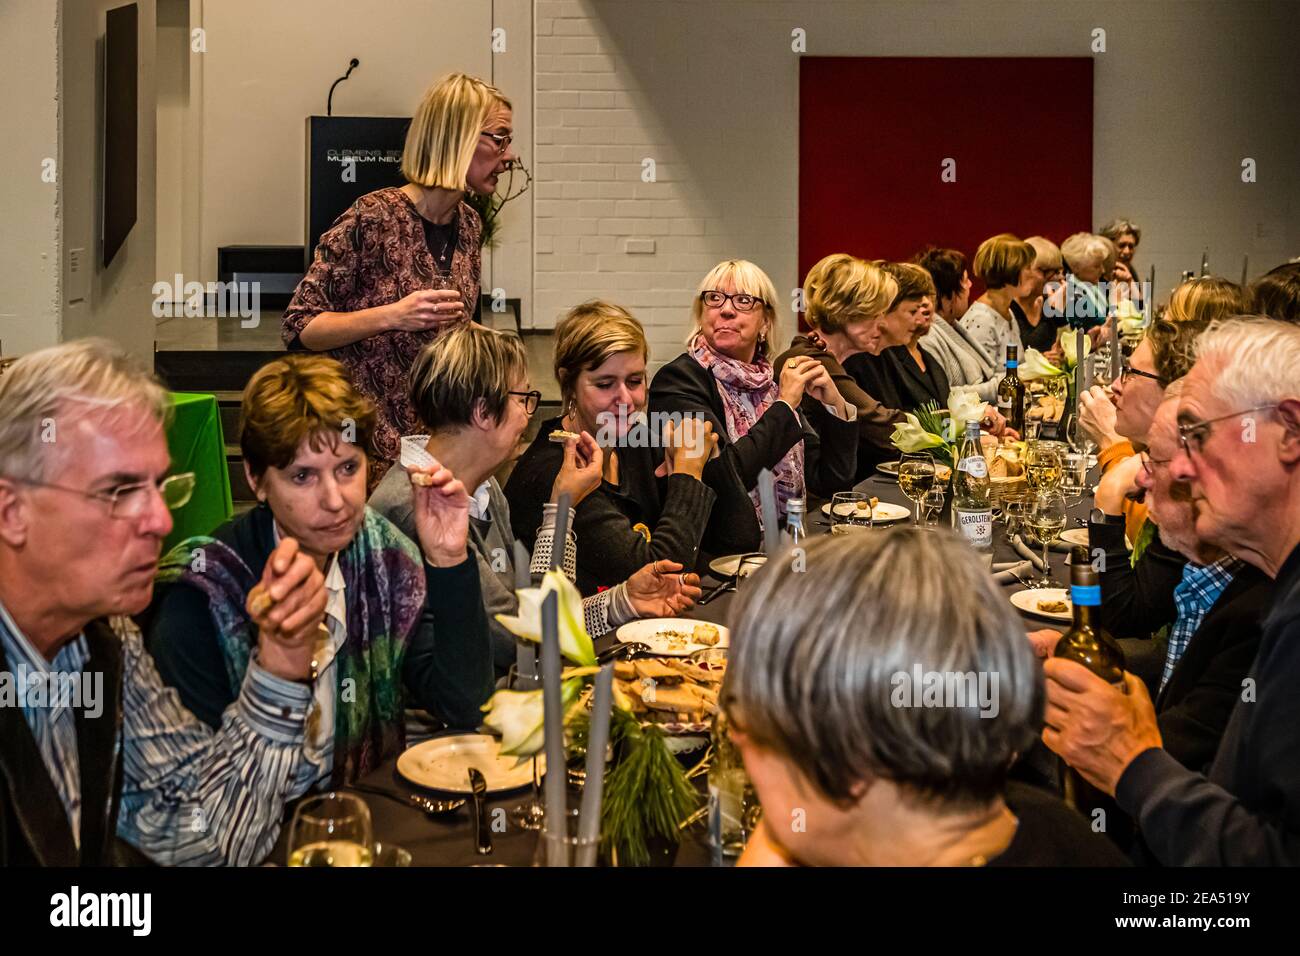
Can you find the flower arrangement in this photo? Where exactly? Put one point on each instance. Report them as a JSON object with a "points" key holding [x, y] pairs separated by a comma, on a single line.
{"points": [[937, 430], [647, 795]]}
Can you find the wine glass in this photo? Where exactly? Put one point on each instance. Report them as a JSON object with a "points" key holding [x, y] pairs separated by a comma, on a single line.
{"points": [[931, 505], [916, 473], [1042, 466], [530, 815], [331, 829], [1074, 475], [850, 511], [1045, 520]]}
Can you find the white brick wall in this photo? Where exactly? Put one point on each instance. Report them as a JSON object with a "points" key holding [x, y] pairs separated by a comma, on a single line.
{"points": [[709, 90]]}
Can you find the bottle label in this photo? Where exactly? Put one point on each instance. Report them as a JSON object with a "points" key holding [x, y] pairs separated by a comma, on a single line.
{"points": [[976, 527], [975, 466], [1086, 595]]}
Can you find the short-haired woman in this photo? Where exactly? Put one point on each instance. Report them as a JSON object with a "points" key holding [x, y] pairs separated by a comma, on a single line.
{"points": [[651, 505], [1126, 236], [402, 623], [1277, 293], [726, 378], [962, 359], [1038, 330], [845, 299], [403, 262], [470, 388], [1005, 265], [831, 693], [1080, 300]]}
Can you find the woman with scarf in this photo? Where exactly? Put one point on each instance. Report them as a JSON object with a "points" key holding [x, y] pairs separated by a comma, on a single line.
{"points": [[402, 623], [726, 378]]}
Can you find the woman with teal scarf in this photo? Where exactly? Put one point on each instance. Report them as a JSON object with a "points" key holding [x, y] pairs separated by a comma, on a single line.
{"points": [[404, 624]]}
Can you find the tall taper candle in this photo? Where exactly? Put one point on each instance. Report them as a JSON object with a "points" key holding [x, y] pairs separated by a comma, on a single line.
{"points": [[561, 539], [767, 499], [553, 714], [525, 651], [597, 743]]}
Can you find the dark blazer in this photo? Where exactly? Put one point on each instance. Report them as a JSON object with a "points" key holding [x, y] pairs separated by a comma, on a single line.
{"points": [[675, 511], [1194, 707], [830, 452], [1246, 810], [34, 829], [447, 669], [1135, 601], [895, 378]]}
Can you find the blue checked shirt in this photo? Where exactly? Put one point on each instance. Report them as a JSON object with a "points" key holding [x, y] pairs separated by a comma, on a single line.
{"points": [[1194, 596], [190, 796]]}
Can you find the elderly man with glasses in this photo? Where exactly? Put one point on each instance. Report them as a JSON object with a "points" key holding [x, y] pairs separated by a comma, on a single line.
{"points": [[1239, 455], [92, 746]]}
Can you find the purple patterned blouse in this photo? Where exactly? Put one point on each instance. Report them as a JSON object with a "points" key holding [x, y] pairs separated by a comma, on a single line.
{"points": [[375, 254]]}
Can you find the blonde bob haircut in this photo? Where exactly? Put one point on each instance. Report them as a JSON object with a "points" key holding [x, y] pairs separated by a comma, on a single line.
{"points": [[1047, 254], [589, 335], [445, 130], [998, 260], [842, 288], [747, 279]]}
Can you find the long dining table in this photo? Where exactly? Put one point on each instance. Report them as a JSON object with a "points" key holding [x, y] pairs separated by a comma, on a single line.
{"points": [[449, 839]]}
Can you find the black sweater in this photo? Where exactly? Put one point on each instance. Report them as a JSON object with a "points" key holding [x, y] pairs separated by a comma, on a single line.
{"points": [[1246, 811], [674, 510], [830, 452], [447, 669], [894, 377]]}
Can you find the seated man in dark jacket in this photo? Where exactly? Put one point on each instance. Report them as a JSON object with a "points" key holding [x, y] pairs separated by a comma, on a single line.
{"points": [[1239, 455], [84, 509], [402, 623]]}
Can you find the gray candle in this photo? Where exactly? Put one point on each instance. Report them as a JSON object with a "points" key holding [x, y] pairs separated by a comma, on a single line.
{"points": [[1149, 300], [525, 651], [1080, 369], [1112, 327], [553, 713], [561, 539], [597, 743], [767, 499]]}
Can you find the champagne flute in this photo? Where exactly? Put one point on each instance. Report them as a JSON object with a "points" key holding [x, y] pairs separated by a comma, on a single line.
{"points": [[1045, 520], [332, 829], [916, 473]]}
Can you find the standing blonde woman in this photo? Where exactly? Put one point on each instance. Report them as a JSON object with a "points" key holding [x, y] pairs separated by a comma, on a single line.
{"points": [[725, 378], [401, 264]]}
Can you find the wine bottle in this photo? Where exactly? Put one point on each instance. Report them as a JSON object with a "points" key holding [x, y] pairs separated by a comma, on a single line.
{"points": [[1011, 393], [1089, 644]]}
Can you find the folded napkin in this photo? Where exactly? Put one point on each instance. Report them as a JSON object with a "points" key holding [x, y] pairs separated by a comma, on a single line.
{"points": [[1023, 550], [1011, 571]]}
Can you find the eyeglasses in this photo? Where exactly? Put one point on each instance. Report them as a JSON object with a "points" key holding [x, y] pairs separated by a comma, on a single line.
{"points": [[503, 140], [1149, 463], [741, 302], [530, 400], [130, 501], [1193, 435], [1128, 370]]}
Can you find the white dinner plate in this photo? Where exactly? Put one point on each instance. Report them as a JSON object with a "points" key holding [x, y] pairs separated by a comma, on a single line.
{"points": [[726, 567], [658, 631], [1075, 536], [1027, 601], [882, 513], [443, 764]]}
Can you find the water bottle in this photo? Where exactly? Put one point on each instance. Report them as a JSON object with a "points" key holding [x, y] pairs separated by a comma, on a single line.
{"points": [[972, 510]]}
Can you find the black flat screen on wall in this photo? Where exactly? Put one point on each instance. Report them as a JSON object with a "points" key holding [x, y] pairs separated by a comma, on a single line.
{"points": [[121, 45]]}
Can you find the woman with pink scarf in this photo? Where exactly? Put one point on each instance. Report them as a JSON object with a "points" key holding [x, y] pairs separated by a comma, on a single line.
{"points": [[725, 377]]}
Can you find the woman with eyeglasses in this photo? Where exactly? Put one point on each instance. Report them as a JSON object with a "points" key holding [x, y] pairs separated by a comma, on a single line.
{"points": [[725, 378], [403, 263], [1037, 329], [1165, 354], [404, 623]]}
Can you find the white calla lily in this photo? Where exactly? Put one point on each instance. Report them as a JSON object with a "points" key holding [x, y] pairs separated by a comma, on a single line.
{"points": [[1036, 366], [1068, 347], [910, 436], [964, 405], [575, 642], [519, 717]]}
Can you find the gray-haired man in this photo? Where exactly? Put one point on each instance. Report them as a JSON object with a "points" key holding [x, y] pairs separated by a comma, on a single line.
{"points": [[92, 745]]}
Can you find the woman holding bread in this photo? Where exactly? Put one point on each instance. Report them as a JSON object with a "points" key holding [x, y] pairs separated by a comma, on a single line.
{"points": [[652, 504], [402, 623]]}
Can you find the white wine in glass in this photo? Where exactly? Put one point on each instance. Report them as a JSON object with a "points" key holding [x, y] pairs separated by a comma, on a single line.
{"points": [[332, 829], [916, 474]]}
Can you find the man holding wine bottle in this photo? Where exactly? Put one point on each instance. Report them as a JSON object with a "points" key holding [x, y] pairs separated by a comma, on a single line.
{"points": [[1239, 431]]}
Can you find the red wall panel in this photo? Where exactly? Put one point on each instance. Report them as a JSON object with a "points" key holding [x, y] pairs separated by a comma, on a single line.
{"points": [[874, 132]]}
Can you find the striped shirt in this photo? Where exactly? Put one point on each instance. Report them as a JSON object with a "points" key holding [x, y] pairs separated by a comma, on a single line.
{"points": [[1194, 596], [190, 796]]}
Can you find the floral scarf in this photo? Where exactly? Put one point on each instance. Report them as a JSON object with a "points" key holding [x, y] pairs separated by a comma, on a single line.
{"points": [[748, 390], [385, 588]]}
